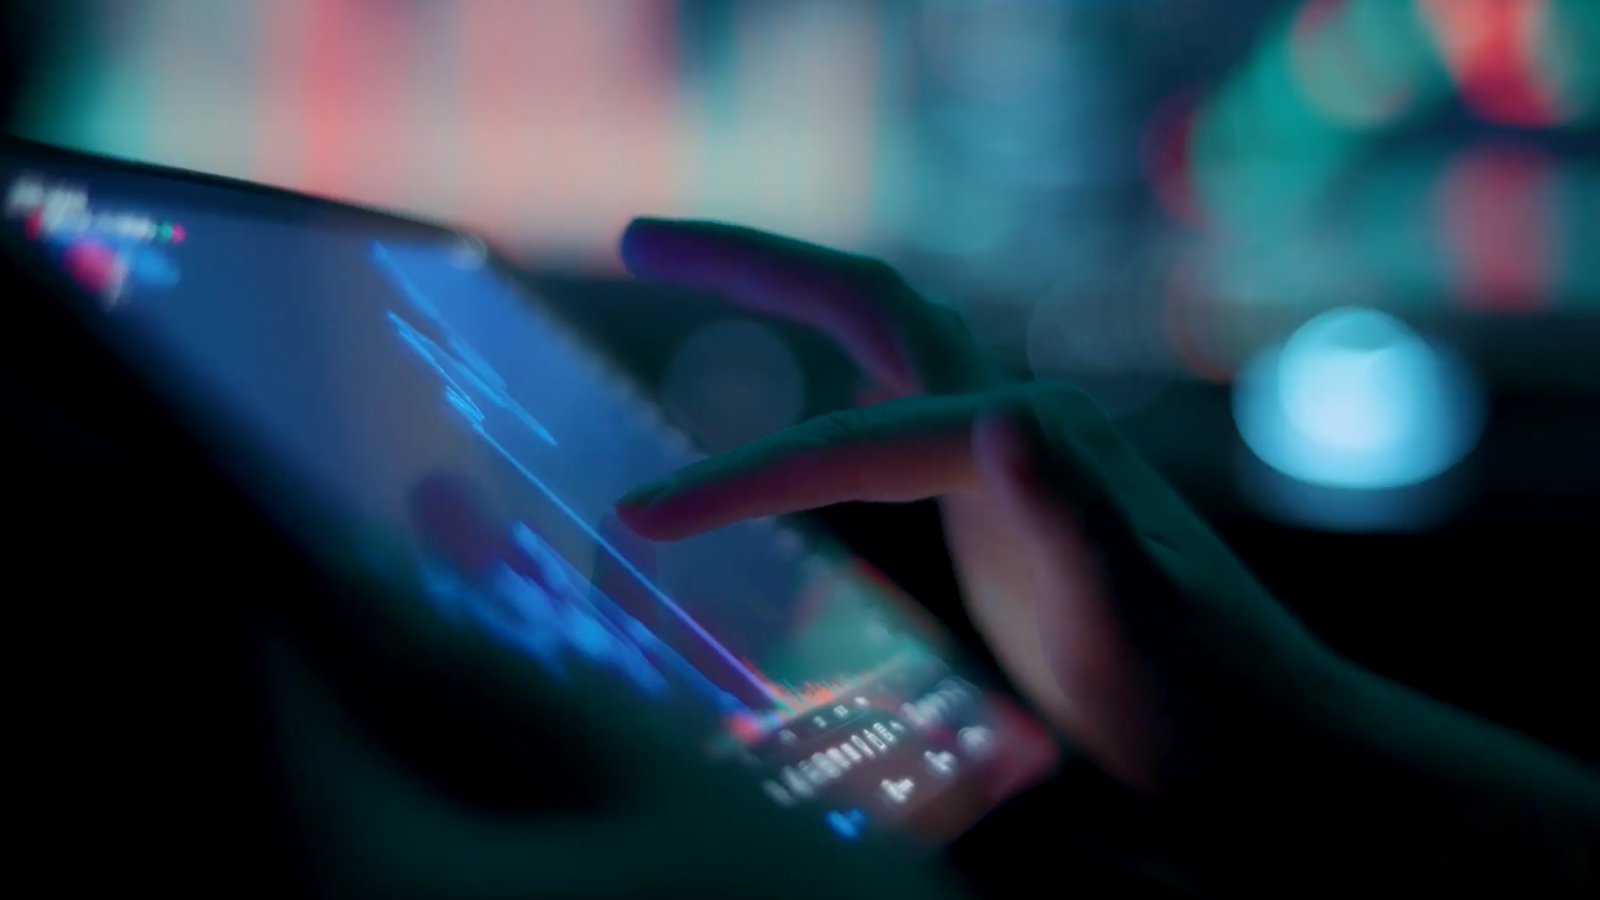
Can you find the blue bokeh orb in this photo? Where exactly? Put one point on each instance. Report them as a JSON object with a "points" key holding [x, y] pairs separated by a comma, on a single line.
{"points": [[1356, 399]]}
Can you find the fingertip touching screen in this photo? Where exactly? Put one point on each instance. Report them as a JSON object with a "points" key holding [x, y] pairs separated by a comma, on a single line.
{"points": [[409, 382]]}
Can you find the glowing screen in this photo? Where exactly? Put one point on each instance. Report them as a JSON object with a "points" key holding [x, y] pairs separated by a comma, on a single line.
{"points": [[402, 376]]}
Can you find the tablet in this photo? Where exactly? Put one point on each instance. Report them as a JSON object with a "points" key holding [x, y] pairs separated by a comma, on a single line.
{"points": [[401, 376]]}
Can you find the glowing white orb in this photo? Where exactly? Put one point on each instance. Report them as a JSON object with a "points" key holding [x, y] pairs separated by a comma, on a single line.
{"points": [[1355, 399]]}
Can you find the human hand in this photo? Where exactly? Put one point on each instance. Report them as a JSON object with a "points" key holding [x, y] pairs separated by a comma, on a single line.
{"points": [[1110, 604]]}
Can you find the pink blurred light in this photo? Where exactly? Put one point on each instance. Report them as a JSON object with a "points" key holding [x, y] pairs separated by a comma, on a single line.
{"points": [[280, 47], [1491, 49], [1167, 159], [356, 97], [94, 266], [569, 117], [545, 124], [1496, 213]]}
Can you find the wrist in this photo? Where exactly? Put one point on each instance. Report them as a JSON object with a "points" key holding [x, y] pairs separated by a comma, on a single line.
{"points": [[1378, 785]]}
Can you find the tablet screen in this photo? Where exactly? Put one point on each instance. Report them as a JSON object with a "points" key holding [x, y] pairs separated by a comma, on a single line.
{"points": [[396, 371]]}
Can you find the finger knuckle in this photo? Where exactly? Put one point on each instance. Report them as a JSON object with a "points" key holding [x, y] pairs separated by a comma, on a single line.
{"points": [[1059, 393], [950, 317], [836, 427], [1073, 412], [876, 275]]}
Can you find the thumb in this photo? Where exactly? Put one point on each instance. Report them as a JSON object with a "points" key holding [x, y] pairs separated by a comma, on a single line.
{"points": [[1111, 701]]}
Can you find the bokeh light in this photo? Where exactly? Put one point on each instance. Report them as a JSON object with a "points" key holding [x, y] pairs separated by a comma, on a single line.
{"points": [[733, 381], [1165, 150], [1498, 219], [1356, 399], [1109, 340], [1297, 154], [1358, 62], [1569, 42], [1526, 63], [545, 124], [1261, 150], [1109, 324]]}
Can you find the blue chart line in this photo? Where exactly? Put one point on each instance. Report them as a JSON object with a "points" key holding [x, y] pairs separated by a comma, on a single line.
{"points": [[464, 368], [630, 631], [617, 555], [455, 372], [637, 643], [463, 364]]}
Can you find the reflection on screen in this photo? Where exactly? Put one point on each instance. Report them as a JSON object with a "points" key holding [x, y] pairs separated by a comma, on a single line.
{"points": [[415, 385]]}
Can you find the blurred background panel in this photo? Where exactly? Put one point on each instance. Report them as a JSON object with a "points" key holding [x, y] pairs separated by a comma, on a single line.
{"points": [[547, 123], [1332, 263], [1326, 234]]}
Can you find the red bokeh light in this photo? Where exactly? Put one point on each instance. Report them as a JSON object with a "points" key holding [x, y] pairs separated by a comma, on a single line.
{"points": [[1491, 48], [1167, 162], [1495, 213], [93, 265]]}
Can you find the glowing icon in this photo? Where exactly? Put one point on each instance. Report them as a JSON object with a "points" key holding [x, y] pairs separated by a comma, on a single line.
{"points": [[940, 762], [830, 770], [796, 783], [808, 768], [150, 267], [847, 825], [96, 267], [778, 794], [929, 711], [897, 792], [786, 736], [976, 741], [851, 752], [837, 757], [863, 746]]}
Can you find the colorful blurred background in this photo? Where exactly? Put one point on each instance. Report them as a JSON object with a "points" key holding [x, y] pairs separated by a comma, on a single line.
{"points": [[1358, 218], [1332, 263]]}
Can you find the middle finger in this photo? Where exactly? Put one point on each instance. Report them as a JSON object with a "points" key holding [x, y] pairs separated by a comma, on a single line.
{"points": [[906, 344]]}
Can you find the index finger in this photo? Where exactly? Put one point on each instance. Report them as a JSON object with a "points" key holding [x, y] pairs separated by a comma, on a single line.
{"points": [[898, 451]]}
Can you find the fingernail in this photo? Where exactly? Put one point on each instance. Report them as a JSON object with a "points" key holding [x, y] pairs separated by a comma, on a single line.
{"points": [[636, 237], [646, 494]]}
